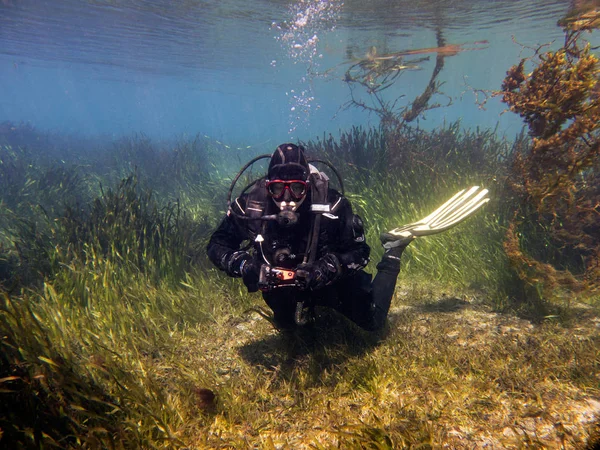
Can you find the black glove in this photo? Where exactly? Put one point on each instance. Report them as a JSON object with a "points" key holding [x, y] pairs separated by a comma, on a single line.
{"points": [[317, 275], [242, 264]]}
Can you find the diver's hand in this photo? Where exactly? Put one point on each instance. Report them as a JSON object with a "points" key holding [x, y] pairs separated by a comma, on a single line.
{"points": [[242, 264], [317, 275], [250, 274]]}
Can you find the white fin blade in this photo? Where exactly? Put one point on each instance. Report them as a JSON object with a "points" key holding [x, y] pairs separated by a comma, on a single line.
{"points": [[400, 230], [447, 205], [462, 205], [464, 210], [458, 218], [459, 211], [451, 205], [449, 224]]}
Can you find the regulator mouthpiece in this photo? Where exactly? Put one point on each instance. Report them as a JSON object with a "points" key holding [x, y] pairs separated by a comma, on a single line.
{"points": [[287, 218]]}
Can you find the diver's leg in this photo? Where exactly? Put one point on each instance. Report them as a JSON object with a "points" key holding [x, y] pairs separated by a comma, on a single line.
{"points": [[383, 286], [363, 301], [283, 306], [349, 296]]}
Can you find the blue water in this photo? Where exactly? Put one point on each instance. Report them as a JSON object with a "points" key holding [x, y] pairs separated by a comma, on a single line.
{"points": [[248, 72]]}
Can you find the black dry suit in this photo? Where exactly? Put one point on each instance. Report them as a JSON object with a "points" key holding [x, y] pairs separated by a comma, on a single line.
{"points": [[349, 290]]}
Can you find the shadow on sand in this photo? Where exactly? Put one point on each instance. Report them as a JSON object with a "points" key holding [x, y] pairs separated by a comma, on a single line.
{"points": [[444, 304], [329, 341]]}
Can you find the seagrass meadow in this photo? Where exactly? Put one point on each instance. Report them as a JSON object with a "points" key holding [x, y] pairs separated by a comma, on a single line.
{"points": [[118, 333]]}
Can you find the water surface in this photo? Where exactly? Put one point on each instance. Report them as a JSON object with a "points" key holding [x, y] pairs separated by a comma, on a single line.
{"points": [[247, 72]]}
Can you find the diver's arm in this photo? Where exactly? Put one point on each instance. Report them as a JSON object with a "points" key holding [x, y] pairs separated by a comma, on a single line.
{"points": [[224, 245], [351, 249]]}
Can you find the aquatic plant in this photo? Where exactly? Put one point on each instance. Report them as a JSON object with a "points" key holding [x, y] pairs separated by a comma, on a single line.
{"points": [[170, 167], [553, 240], [40, 381], [34, 192], [357, 154], [23, 135], [127, 226], [90, 359], [437, 158], [91, 315], [55, 209]]}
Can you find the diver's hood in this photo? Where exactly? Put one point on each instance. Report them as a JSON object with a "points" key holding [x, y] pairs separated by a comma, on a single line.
{"points": [[288, 162]]}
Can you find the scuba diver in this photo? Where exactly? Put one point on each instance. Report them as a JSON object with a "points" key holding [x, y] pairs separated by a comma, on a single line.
{"points": [[306, 248]]}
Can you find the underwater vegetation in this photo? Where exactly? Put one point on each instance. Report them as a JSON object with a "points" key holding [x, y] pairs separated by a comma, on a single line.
{"points": [[74, 257], [553, 240], [55, 206], [117, 333], [410, 155]]}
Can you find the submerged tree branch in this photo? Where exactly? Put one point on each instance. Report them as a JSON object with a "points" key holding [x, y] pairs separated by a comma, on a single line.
{"points": [[376, 73]]}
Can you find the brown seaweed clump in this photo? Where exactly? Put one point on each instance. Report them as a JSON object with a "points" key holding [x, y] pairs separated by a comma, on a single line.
{"points": [[554, 238]]}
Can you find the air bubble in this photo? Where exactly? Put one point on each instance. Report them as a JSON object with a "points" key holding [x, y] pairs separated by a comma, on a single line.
{"points": [[299, 36]]}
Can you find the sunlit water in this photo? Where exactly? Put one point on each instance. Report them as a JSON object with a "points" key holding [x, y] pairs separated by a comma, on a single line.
{"points": [[248, 72]]}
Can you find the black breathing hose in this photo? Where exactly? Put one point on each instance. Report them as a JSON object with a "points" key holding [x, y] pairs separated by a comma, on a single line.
{"points": [[239, 174]]}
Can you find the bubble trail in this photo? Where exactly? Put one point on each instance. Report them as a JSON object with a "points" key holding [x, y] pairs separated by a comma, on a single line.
{"points": [[299, 37]]}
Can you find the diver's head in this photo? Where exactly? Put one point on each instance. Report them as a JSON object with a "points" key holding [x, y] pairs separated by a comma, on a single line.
{"points": [[287, 179]]}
